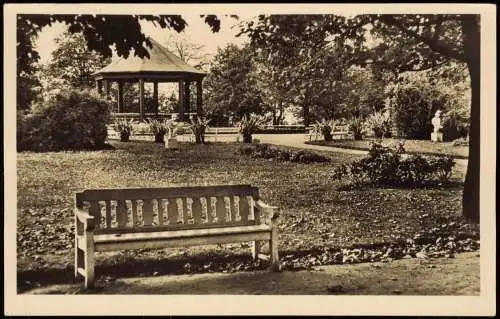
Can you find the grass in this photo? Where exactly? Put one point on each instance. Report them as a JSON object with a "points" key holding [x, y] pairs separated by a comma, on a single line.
{"points": [[459, 276], [314, 213], [411, 146]]}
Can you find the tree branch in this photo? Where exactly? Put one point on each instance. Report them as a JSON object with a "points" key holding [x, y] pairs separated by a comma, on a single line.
{"points": [[437, 46]]}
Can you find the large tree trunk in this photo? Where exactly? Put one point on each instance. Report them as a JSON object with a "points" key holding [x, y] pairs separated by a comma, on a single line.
{"points": [[470, 198], [306, 115]]}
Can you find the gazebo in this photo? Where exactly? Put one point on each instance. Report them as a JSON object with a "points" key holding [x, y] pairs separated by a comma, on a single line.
{"points": [[161, 66]]}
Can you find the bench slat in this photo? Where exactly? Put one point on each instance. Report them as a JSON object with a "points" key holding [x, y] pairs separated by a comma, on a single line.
{"points": [[234, 210], [159, 201], [220, 207], [147, 212], [244, 209], [168, 192], [185, 241], [135, 215], [186, 215], [95, 210], [196, 208], [172, 211], [108, 213], [169, 228], [121, 213]]}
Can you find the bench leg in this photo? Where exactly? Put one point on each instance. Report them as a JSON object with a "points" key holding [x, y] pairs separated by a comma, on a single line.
{"points": [[273, 247], [78, 258], [89, 261], [79, 261], [256, 249]]}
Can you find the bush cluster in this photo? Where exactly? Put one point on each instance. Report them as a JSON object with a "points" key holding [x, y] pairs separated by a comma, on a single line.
{"points": [[414, 102], [385, 166], [380, 124], [271, 152], [68, 120]]}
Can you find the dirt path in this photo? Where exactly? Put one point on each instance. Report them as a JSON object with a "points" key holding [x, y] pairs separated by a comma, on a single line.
{"points": [[458, 276]]}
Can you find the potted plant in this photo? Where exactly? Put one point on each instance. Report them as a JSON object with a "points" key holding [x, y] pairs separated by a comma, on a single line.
{"points": [[198, 126], [248, 125], [356, 126], [159, 129], [124, 127], [324, 128]]}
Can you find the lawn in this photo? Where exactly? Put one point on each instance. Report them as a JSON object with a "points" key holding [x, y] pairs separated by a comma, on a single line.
{"points": [[411, 146], [316, 217]]}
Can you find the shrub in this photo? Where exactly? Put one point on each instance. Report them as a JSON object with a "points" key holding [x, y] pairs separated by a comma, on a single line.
{"points": [[379, 124], [124, 127], [356, 126], [414, 106], [249, 125], [246, 150], [384, 166], [198, 127], [454, 126], [441, 166], [159, 129], [67, 120], [414, 170]]}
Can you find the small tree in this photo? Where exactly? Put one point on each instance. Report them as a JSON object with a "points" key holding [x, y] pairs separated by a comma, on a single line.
{"points": [[198, 126], [324, 128]]}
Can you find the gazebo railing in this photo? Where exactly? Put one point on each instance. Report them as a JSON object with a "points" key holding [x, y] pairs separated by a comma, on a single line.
{"points": [[137, 116]]}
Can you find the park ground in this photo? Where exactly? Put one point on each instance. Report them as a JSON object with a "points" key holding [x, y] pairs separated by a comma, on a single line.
{"points": [[316, 215], [440, 276]]}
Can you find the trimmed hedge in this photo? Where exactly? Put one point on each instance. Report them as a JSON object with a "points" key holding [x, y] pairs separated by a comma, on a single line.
{"points": [[271, 152]]}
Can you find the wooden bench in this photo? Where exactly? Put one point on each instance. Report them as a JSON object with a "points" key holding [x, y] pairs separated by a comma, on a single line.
{"points": [[134, 218]]}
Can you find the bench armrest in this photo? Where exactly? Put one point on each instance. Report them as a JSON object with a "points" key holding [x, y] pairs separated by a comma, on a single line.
{"points": [[271, 212], [85, 218]]}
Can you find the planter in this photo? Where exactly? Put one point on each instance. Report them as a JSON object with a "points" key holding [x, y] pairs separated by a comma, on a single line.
{"points": [[171, 143], [436, 137], [124, 136], [159, 138], [246, 138]]}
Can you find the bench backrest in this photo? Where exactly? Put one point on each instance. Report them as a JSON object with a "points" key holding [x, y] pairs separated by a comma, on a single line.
{"points": [[169, 208], [340, 129]]}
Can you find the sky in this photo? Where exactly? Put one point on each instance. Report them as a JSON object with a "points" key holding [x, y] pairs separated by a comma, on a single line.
{"points": [[197, 30]]}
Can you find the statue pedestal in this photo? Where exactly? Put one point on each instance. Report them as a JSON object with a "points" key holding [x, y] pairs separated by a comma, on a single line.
{"points": [[436, 137], [171, 143]]}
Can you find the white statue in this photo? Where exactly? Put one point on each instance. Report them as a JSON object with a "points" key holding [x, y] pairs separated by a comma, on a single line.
{"points": [[437, 135], [171, 140]]}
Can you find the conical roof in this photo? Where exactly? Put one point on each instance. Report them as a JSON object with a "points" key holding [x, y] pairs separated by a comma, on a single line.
{"points": [[160, 60]]}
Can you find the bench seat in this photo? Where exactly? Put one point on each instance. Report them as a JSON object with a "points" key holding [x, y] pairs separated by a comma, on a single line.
{"points": [[179, 238]]}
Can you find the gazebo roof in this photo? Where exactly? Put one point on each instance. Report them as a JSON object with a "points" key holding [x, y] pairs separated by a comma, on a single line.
{"points": [[161, 63]]}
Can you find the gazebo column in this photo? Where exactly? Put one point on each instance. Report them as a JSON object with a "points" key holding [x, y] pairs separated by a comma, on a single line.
{"points": [[187, 97], [120, 96], [181, 100], [98, 85], [199, 97], [141, 100], [106, 88], [155, 97]]}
